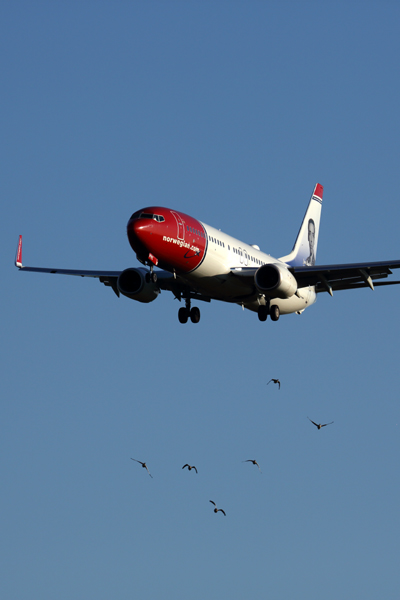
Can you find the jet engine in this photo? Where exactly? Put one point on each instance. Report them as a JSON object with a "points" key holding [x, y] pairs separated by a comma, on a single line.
{"points": [[133, 284], [275, 281]]}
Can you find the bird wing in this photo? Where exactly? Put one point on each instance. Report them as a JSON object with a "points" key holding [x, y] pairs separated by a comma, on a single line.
{"points": [[137, 460], [325, 424], [220, 509], [270, 381], [316, 424], [185, 466], [148, 470], [194, 468], [213, 502]]}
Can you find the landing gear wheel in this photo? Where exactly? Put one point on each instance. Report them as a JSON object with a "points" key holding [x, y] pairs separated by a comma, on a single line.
{"points": [[274, 312], [183, 315], [151, 277], [195, 314], [263, 312]]}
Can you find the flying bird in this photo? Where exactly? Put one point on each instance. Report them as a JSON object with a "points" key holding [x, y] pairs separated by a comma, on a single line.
{"points": [[254, 463], [218, 509], [275, 381], [189, 467], [143, 465], [319, 424]]}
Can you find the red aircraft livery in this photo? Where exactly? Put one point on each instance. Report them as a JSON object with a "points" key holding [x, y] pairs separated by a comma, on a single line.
{"points": [[173, 237], [198, 262]]}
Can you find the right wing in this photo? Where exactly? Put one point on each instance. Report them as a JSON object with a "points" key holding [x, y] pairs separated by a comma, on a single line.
{"points": [[165, 280], [109, 278]]}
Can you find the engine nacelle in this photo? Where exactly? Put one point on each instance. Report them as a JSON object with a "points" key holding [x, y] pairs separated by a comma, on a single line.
{"points": [[275, 281], [132, 283]]}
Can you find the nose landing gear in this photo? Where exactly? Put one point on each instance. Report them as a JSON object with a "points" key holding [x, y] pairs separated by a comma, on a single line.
{"points": [[183, 315], [195, 314], [185, 312], [151, 276]]}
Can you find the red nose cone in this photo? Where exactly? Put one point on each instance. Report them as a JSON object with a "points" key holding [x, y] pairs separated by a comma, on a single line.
{"points": [[176, 240], [138, 231]]}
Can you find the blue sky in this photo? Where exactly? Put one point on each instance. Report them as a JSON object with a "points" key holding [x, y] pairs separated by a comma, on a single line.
{"points": [[231, 112]]}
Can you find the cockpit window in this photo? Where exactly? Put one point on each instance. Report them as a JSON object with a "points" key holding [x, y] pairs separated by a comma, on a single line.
{"points": [[143, 215]]}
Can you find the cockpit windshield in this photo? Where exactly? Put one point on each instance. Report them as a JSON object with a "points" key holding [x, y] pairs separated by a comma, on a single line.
{"points": [[144, 215]]}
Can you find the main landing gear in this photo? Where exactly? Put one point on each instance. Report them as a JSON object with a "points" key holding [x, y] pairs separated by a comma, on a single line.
{"points": [[274, 312], [185, 312], [264, 311]]}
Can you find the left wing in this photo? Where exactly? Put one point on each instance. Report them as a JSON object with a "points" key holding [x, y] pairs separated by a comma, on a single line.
{"points": [[328, 278]]}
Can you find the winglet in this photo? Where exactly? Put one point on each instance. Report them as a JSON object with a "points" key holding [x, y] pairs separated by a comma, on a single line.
{"points": [[18, 256]]}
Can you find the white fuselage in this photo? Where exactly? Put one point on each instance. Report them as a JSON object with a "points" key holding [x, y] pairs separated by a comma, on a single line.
{"points": [[213, 277]]}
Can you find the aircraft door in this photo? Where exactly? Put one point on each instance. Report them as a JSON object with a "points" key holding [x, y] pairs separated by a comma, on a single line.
{"points": [[179, 222]]}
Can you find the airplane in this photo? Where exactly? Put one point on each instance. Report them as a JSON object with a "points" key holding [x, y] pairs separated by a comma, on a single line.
{"points": [[200, 263]]}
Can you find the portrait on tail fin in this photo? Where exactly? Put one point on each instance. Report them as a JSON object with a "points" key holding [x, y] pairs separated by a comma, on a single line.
{"points": [[310, 261], [305, 247]]}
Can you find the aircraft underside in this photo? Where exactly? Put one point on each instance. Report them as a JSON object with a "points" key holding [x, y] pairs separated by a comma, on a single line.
{"points": [[227, 288]]}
